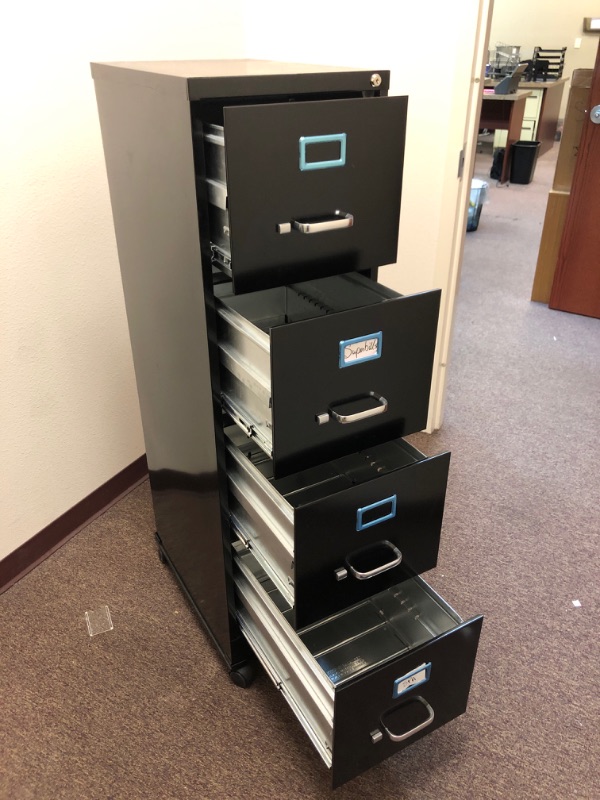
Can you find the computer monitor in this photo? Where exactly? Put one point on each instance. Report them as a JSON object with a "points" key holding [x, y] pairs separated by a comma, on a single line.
{"points": [[510, 84]]}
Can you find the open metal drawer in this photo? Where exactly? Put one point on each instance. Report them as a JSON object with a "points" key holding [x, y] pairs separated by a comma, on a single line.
{"points": [[369, 681], [338, 533], [324, 368], [299, 190]]}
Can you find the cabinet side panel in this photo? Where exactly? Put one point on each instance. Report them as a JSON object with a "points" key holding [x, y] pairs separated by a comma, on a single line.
{"points": [[148, 149]]}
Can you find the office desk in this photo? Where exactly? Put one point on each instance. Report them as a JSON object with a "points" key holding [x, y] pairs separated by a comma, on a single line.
{"points": [[504, 111], [549, 110], [542, 111]]}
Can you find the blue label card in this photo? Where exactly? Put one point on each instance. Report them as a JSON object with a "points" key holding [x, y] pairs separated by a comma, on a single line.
{"points": [[361, 349], [411, 679], [373, 514], [306, 141]]}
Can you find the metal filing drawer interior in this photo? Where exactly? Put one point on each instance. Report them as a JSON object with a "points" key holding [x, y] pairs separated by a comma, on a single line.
{"points": [[245, 342], [401, 637], [332, 535], [216, 185], [317, 369]]}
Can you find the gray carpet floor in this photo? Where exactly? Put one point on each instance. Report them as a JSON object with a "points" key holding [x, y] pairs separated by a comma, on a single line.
{"points": [[147, 710]]}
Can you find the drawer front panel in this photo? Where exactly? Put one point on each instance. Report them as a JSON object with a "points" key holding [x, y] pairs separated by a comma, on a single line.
{"points": [[406, 700], [313, 188], [401, 538], [370, 681], [328, 396], [533, 103], [528, 130]]}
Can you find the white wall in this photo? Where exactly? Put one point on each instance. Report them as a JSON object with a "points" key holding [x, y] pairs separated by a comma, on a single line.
{"points": [[433, 61], [549, 25], [424, 60], [68, 405]]}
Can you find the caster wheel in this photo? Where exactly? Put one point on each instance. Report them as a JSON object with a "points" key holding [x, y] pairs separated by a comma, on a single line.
{"points": [[243, 676]]}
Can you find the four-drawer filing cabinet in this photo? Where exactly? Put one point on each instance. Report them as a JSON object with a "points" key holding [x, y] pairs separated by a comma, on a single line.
{"points": [[253, 203]]}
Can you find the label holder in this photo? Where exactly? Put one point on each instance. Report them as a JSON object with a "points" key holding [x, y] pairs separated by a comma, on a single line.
{"points": [[305, 141], [360, 349], [414, 678], [360, 512]]}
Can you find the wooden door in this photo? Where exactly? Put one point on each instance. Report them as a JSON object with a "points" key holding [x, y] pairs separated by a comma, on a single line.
{"points": [[576, 285]]}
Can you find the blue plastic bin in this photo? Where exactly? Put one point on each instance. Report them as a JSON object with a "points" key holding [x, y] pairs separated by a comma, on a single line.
{"points": [[476, 200]]}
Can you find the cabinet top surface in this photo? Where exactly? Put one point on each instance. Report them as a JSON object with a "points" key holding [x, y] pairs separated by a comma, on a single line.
{"points": [[198, 79], [218, 68]]}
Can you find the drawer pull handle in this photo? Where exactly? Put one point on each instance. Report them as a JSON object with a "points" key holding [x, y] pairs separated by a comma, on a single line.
{"points": [[347, 419], [401, 737], [335, 222], [364, 575]]}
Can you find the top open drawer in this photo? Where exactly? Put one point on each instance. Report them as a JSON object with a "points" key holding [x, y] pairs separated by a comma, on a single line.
{"points": [[304, 190]]}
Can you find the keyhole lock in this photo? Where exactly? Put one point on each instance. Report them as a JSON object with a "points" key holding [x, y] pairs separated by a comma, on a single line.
{"points": [[376, 80], [595, 115]]}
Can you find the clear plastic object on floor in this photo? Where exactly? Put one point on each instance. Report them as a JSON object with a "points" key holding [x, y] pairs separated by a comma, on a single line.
{"points": [[98, 621]]}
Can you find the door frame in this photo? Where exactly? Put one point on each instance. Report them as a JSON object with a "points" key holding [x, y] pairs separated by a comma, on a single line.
{"points": [[449, 279]]}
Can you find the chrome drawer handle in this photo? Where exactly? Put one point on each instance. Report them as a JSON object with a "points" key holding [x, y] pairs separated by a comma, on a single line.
{"points": [[401, 737], [339, 220], [371, 573], [346, 419]]}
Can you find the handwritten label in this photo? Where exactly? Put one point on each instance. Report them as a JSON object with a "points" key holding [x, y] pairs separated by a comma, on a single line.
{"points": [[363, 348], [415, 678]]}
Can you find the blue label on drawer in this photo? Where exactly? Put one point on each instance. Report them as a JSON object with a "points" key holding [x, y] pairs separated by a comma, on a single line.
{"points": [[411, 679], [361, 349], [306, 141], [373, 514]]}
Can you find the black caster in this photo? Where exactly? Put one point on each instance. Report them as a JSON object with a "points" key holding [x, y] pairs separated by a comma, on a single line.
{"points": [[243, 676], [161, 553]]}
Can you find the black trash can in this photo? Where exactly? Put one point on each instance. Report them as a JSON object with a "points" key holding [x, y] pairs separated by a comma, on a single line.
{"points": [[522, 164]]}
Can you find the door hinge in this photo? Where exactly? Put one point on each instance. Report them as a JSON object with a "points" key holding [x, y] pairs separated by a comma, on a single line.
{"points": [[461, 161]]}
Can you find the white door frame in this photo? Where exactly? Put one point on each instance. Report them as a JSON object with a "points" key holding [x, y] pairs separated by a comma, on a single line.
{"points": [[450, 280]]}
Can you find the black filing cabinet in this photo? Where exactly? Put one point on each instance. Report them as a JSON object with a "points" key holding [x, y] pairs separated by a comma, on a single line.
{"points": [[253, 203]]}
